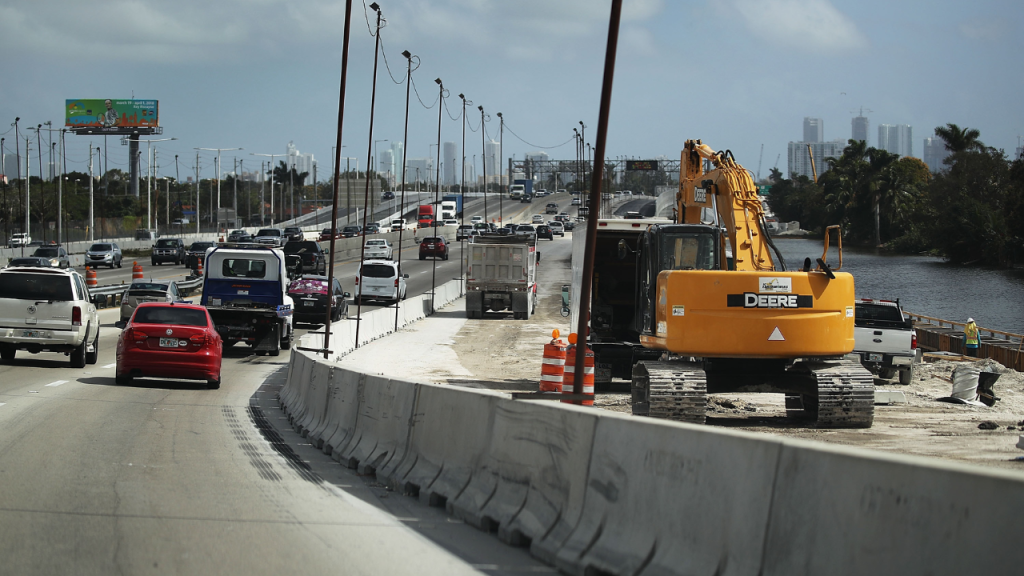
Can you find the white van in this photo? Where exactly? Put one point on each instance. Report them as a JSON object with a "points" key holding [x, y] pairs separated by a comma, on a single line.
{"points": [[380, 280], [47, 310], [397, 224]]}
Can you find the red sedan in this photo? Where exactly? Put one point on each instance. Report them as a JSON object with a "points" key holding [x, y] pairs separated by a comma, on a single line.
{"points": [[169, 340]]}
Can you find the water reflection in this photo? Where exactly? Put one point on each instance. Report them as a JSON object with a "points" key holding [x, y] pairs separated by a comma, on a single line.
{"points": [[926, 285]]}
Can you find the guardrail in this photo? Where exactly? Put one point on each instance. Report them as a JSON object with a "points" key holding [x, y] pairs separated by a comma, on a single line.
{"points": [[110, 295]]}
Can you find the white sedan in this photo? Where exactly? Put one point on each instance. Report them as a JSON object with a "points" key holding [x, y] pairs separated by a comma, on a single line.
{"points": [[379, 248]]}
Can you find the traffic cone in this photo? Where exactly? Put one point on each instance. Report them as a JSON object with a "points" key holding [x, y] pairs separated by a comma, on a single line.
{"points": [[90, 277], [553, 365], [199, 268], [136, 271]]}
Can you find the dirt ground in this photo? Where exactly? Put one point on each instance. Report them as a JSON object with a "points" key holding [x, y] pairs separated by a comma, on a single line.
{"points": [[505, 355]]}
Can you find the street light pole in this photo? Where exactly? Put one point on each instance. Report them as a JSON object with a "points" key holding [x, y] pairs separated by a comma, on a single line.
{"points": [[501, 162], [405, 153], [437, 192], [149, 179], [272, 156], [216, 216], [483, 156]]}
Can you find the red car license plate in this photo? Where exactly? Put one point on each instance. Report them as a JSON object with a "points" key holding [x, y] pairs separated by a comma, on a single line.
{"points": [[168, 342]]}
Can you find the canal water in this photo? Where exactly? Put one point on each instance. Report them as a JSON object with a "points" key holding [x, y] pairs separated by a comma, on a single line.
{"points": [[926, 285]]}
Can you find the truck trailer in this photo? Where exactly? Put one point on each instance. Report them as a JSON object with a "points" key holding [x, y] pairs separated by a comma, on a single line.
{"points": [[501, 275], [451, 206]]}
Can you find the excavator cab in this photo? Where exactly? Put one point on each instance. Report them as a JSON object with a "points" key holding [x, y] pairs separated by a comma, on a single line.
{"points": [[671, 247]]}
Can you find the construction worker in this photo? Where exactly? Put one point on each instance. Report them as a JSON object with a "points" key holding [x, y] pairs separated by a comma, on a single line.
{"points": [[971, 341]]}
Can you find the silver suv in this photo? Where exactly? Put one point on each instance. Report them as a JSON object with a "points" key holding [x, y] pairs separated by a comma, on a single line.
{"points": [[104, 254], [47, 310], [270, 237]]}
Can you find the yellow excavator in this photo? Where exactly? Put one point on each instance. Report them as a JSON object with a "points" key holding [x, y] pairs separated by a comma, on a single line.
{"points": [[714, 293]]}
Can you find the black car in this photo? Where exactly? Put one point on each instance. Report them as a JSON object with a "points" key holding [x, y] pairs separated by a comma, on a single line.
{"points": [[387, 196], [373, 228], [293, 234], [310, 296], [351, 231], [544, 231], [197, 253], [526, 198], [306, 257], [36, 261], [168, 250], [239, 236]]}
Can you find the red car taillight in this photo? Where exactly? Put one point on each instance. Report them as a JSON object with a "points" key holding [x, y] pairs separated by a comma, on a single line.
{"points": [[137, 336], [201, 339], [913, 340], [357, 280], [76, 316], [396, 282]]}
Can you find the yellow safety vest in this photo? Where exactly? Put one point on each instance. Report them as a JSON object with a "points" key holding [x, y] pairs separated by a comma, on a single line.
{"points": [[971, 334]]}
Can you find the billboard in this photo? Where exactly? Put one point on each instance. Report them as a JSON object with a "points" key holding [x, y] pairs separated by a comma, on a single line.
{"points": [[641, 164], [112, 116]]}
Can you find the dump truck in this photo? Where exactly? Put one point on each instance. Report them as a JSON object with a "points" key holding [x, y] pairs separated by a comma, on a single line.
{"points": [[501, 274]]}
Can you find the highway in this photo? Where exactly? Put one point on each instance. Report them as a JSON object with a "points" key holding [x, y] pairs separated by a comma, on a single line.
{"points": [[167, 476]]}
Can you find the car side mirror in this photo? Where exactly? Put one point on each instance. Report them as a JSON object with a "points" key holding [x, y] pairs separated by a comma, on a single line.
{"points": [[348, 295], [326, 251], [405, 275], [623, 250], [120, 324]]}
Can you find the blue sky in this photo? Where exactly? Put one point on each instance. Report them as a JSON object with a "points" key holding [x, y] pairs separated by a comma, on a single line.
{"points": [[735, 73]]}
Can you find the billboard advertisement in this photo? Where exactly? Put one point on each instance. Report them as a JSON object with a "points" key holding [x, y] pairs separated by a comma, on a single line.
{"points": [[641, 164], [112, 115]]}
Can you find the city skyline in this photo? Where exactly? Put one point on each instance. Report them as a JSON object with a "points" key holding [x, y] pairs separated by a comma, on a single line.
{"points": [[886, 65]]}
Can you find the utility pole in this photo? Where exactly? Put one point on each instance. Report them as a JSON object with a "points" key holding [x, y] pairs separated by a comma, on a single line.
{"points": [[92, 220], [272, 156], [234, 193], [498, 164], [216, 216]]}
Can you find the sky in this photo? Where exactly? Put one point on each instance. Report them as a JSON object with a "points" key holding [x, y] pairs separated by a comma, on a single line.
{"points": [[738, 74]]}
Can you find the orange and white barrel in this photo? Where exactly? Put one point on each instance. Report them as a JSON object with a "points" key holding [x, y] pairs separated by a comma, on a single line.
{"points": [[90, 277], [136, 271], [553, 365], [569, 375]]}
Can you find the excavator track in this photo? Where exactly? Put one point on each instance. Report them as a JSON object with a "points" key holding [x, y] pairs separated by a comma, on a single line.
{"points": [[845, 399], [671, 390]]}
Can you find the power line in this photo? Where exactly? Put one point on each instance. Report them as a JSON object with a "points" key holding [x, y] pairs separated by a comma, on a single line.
{"points": [[535, 145]]}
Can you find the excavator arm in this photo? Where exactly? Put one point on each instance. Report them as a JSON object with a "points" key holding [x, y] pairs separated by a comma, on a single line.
{"points": [[728, 190]]}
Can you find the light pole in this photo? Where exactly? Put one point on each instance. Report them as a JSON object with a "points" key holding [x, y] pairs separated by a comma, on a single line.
{"points": [[437, 192], [501, 168], [272, 156], [149, 179], [376, 168], [405, 153], [366, 197], [217, 215], [483, 155]]}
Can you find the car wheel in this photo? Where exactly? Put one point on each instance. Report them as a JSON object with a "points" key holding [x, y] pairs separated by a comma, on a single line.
{"points": [[153, 262], [78, 356], [286, 342], [906, 376], [886, 373], [91, 357], [123, 380], [213, 384], [119, 262], [7, 353], [422, 257]]}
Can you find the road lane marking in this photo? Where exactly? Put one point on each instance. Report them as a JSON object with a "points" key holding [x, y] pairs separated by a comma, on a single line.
{"points": [[3, 403], [57, 383], [114, 365]]}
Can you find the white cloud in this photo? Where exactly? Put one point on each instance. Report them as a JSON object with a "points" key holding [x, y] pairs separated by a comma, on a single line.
{"points": [[813, 24]]}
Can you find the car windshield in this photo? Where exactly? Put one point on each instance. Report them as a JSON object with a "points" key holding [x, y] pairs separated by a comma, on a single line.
{"points": [[351, 229], [174, 315], [244, 268], [200, 246], [370, 243], [166, 243], [35, 287], [525, 229], [46, 252], [100, 248], [29, 261], [237, 232], [877, 312], [269, 232], [378, 271], [301, 247], [292, 230]]}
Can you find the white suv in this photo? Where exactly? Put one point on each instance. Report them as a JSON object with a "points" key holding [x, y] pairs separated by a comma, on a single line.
{"points": [[380, 280], [47, 309]]}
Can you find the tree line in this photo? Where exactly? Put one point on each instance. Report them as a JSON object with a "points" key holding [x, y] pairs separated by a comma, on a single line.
{"points": [[970, 212]]}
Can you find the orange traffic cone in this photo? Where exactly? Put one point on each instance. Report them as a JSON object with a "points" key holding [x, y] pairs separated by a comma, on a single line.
{"points": [[199, 267], [570, 371], [553, 365], [90, 277], [136, 271]]}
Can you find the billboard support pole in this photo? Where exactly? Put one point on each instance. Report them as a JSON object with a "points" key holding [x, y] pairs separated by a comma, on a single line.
{"points": [[133, 155], [92, 219]]}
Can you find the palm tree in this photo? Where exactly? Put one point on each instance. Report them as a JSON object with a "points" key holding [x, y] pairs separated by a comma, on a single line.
{"points": [[959, 139]]}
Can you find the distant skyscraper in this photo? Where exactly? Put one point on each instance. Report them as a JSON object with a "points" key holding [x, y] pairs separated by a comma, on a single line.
{"points": [[397, 151], [934, 153], [420, 170], [800, 161], [301, 162], [814, 130], [449, 159], [386, 163], [860, 128], [896, 139], [493, 162]]}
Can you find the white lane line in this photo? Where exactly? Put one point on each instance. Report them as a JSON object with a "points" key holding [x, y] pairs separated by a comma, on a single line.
{"points": [[3, 403], [57, 383], [114, 365]]}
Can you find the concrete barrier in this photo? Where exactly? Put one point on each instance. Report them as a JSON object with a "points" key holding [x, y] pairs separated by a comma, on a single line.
{"points": [[531, 479], [343, 410], [383, 423], [446, 456], [838, 510], [672, 498], [316, 398], [316, 432]]}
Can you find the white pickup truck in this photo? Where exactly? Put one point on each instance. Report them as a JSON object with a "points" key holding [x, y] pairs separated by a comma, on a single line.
{"points": [[885, 339]]}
